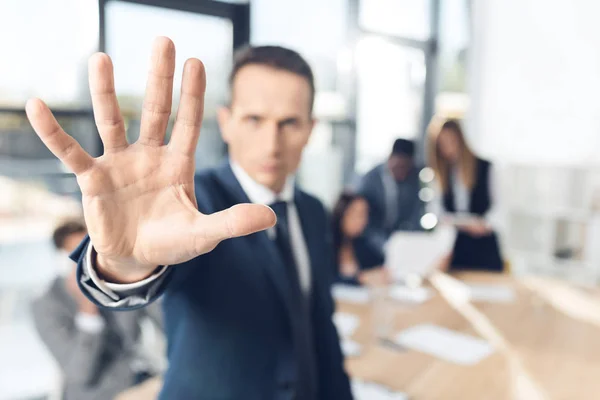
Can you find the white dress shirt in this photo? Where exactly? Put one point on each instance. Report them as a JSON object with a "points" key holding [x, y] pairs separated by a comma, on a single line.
{"points": [[462, 198], [494, 217], [257, 194]]}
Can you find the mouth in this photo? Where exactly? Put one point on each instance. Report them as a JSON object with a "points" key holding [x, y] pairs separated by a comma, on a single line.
{"points": [[271, 167]]}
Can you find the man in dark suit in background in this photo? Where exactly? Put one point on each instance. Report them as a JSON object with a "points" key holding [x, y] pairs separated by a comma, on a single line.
{"points": [[100, 352], [248, 317], [392, 191]]}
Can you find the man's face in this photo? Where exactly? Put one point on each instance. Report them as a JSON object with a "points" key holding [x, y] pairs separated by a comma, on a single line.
{"points": [[400, 166], [268, 124]]}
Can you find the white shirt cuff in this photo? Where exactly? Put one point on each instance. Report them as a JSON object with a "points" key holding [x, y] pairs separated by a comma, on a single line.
{"points": [[113, 289], [89, 323]]}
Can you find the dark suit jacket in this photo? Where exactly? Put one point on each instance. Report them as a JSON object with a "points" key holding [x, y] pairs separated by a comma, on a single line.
{"points": [[227, 313], [372, 188]]}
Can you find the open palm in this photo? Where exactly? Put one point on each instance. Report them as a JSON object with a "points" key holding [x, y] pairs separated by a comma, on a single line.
{"points": [[138, 199]]}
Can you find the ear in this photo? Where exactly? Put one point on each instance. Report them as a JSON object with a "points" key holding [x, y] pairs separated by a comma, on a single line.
{"points": [[224, 118]]}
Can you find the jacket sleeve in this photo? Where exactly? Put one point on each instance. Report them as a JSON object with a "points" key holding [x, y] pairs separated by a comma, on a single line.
{"points": [[114, 296]]}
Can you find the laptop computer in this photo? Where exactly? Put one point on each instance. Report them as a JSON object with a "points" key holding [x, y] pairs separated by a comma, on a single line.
{"points": [[418, 253]]}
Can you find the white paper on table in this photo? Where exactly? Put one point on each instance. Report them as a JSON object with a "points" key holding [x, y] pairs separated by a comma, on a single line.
{"points": [[416, 295], [350, 294], [373, 391], [446, 344], [350, 348], [491, 293], [345, 323], [418, 253], [458, 219]]}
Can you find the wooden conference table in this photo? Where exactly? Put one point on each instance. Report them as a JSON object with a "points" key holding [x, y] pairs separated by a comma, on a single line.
{"points": [[540, 351]]}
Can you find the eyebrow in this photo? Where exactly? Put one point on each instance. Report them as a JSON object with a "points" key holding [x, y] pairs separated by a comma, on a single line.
{"points": [[281, 120]]}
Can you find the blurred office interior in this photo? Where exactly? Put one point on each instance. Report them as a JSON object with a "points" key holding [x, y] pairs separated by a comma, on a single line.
{"points": [[523, 76]]}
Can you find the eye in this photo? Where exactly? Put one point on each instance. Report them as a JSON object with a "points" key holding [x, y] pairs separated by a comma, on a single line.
{"points": [[254, 119], [290, 123]]}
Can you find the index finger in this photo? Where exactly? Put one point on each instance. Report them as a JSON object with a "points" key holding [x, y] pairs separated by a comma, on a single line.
{"points": [[58, 142]]}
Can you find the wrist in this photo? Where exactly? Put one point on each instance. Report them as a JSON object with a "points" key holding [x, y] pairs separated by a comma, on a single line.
{"points": [[113, 271]]}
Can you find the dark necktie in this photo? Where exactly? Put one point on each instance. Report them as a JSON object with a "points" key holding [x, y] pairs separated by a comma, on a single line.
{"points": [[302, 332]]}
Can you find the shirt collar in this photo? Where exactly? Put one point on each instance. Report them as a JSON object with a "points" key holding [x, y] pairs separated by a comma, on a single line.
{"points": [[258, 193]]}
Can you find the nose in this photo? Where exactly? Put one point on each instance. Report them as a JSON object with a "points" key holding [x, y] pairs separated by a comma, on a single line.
{"points": [[272, 139]]}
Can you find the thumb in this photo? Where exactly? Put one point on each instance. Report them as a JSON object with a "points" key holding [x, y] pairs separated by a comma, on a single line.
{"points": [[239, 220]]}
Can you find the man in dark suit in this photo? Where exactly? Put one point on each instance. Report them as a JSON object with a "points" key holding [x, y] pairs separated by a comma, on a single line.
{"points": [[392, 191], [248, 317], [100, 352]]}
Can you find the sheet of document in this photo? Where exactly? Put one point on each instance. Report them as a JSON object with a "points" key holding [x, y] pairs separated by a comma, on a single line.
{"points": [[418, 253], [458, 219], [445, 344], [350, 294], [345, 323], [491, 293], [374, 391], [410, 295]]}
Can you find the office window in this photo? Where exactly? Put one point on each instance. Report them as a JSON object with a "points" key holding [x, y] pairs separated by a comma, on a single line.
{"points": [[390, 97], [314, 28], [455, 32], [406, 18], [130, 30], [45, 47]]}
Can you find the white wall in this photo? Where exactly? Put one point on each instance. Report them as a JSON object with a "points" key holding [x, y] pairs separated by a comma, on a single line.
{"points": [[535, 80], [314, 28]]}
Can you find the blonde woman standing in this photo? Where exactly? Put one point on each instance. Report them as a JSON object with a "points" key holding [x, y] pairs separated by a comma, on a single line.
{"points": [[466, 187]]}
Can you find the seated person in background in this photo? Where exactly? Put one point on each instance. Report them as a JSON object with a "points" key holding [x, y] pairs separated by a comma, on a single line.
{"points": [[467, 187], [392, 191], [358, 260], [99, 353]]}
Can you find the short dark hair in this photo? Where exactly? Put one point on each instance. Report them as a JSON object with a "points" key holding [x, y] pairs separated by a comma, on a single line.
{"points": [[403, 147], [66, 229], [275, 57]]}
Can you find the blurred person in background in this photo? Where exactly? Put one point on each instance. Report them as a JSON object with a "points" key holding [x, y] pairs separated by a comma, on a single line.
{"points": [[392, 192], [358, 260], [248, 308], [468, 188], [100, 353]]}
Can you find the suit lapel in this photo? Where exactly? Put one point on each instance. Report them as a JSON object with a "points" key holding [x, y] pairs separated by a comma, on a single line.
{"points": [[271, 261]]}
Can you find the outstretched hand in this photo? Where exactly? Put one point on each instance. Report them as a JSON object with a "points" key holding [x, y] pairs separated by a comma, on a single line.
{"points": [[138, 199]]}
